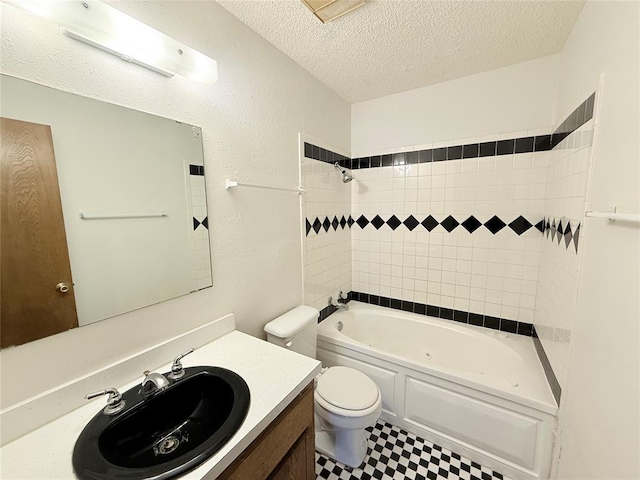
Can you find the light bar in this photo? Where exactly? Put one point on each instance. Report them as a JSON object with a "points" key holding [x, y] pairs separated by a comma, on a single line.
{"points": [[108, 29]]}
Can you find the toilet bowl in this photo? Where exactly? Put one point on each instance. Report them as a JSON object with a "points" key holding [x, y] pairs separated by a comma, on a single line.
{"points": [[346, 401]]}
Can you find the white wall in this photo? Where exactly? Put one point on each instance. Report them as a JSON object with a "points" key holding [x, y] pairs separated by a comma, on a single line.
{"points": [[250, 121], [115, 160], [600, 411], [519, 97]]}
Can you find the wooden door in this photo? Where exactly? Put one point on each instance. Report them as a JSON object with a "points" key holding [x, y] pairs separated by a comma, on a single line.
{"points": [[33, 251]]}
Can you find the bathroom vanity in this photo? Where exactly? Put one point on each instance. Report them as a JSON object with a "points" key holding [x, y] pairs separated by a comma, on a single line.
{"points": [[285, 450], [276, 439]]}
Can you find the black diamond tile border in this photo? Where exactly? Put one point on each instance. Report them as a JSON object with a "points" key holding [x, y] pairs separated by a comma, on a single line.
{"points": [[460, 316], [319, 224], [494, 224], [562, 231], [471, 224], [430, 223], [377, 222], [411, 223], [520, 225], [394, 453], [362, 221], [449, 224], [393, 222], [204, 223]]}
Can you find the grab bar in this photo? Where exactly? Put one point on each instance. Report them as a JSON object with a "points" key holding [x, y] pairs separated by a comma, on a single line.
{"points": [[102, 216], [234, 183], [613, 215]]}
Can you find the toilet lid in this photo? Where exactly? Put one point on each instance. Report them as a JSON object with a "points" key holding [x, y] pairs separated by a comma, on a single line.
{"points": [[347, 388]]}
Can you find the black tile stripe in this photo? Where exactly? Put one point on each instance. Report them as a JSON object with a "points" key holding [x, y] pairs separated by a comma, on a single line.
{"points": [[581, 115], [326, 311], [538, 143], [317, 153], [477, 319], [546, 366], [196, 170]]}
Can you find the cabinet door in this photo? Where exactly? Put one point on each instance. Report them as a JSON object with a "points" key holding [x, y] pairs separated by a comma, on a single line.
{"points": [[285, 450], [294, 465]]}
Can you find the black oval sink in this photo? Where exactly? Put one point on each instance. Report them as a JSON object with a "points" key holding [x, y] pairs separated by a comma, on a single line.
{"points": [[166, 434]]}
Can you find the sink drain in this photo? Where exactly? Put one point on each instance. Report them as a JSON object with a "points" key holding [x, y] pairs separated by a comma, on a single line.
{"points": [[167, 445]]}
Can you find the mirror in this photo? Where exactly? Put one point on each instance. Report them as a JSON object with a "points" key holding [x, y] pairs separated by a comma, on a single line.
{"points": [[103, 211]]}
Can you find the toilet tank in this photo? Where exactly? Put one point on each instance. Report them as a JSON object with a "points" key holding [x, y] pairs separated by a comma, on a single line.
{"points": [[295, 330]]}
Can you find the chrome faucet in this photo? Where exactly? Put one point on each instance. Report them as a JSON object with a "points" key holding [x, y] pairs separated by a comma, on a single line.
{"points": [[177, 370], [115, 403], [153, 382], [340, 303]]}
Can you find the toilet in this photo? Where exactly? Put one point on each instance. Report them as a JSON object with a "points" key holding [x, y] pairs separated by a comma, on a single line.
{"points": [[346, 401]]}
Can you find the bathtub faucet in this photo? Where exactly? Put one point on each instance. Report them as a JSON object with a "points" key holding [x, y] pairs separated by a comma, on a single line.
{"points": [[340, 303]]}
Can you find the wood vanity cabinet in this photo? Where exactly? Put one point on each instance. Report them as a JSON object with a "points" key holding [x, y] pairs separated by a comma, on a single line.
{"points": [[285, 450]]}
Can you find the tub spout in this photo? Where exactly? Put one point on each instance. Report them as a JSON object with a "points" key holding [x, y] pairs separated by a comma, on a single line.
{"points": [[339, 303]]}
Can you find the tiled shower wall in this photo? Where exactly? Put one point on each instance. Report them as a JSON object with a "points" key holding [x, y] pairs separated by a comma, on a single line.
{"points": [[199, 236], [327, 252], [484, 231], [561, 257], [474, 248]]}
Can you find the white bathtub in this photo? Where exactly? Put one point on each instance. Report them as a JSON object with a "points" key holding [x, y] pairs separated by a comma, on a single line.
{"points": [[479, 392]]}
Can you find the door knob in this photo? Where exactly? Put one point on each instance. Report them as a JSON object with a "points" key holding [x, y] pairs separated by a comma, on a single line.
{"points": [[62, 287]]}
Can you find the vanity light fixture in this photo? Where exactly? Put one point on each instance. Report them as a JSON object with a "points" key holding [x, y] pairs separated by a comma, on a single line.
{"points": [[101, 26]]}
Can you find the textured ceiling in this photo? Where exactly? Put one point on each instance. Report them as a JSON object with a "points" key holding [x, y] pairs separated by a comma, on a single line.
{"points": [[389, 46]]}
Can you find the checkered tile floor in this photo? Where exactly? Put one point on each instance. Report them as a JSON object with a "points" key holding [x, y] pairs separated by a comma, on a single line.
{"points": [[397, 455]]}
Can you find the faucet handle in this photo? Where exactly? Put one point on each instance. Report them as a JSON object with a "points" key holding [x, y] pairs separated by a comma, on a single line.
{"points": [[115, 403], [177, 370]]}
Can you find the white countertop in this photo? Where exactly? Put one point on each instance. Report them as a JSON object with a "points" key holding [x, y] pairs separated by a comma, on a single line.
{"points": [[275, 377]]}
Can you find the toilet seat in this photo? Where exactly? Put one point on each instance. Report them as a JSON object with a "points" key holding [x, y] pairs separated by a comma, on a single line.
{"points": [[347, 391]]}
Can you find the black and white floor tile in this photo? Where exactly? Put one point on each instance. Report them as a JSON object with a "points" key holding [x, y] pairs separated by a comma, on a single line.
{"points": [[395, 454]]}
